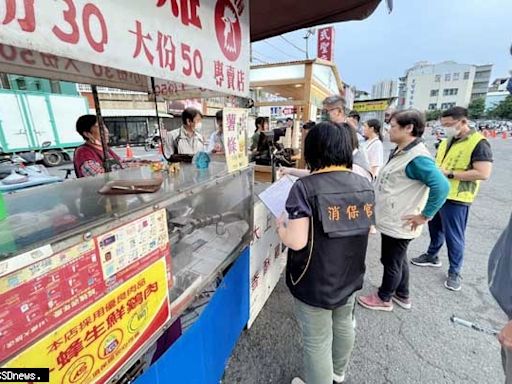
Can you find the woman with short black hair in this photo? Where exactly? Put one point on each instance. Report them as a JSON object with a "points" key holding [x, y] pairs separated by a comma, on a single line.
{"points": [[329, 216], [88, 158]]}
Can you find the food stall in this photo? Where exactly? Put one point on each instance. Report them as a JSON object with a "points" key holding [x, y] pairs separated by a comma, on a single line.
{"points": [[302, 85], [100, 287]]}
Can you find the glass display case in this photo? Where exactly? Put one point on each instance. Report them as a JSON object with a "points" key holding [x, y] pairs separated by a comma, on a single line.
{"points": [[67, 242]]}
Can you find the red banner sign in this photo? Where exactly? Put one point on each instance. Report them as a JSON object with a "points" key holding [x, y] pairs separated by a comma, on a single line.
{"points": [[198, 43], [325, 49]]}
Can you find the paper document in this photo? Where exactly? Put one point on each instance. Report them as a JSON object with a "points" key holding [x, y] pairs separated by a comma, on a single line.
{"points": [[275, 196]]}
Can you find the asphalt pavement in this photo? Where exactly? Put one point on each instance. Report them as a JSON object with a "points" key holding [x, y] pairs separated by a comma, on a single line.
{"points": [[401, 347]]}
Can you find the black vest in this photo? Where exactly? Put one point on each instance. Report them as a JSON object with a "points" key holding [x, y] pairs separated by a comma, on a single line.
{"points": [[331, 267]]}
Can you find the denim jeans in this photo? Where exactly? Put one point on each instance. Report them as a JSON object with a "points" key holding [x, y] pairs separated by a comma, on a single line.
{"points": [[449, 224], [329, 337]]}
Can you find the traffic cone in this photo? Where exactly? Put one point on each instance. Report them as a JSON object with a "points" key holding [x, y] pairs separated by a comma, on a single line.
{"points": [[129, 151], [486, 133], [504, 135]]}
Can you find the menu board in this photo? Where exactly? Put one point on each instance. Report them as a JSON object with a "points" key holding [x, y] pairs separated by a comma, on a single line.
{"points": [[40, 297]]}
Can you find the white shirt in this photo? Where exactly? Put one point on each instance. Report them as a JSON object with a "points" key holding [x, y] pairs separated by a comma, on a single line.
{"points": [[375, 153], [180, 143], [216, 142]]}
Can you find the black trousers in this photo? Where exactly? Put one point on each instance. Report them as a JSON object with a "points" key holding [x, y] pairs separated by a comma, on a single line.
{"points": [[395, 279]]}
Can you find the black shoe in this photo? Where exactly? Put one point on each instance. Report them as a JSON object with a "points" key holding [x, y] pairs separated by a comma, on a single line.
{"points": [[426, 260], [453, 282]]}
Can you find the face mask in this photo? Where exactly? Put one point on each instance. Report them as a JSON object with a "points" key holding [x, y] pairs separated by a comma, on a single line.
{"points": [[325, 116], [451, 131], [199, 126]]}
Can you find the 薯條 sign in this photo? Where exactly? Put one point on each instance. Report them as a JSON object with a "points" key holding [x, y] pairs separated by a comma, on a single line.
{"points": [[234, 122]]}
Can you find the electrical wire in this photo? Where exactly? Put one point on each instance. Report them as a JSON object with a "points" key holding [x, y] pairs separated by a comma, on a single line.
{"points": [[261, 55], [279, 49], [261, 61], [292, 44]]}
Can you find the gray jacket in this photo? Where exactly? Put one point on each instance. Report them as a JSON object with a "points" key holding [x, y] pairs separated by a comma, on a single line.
{"points": [[500, 270]]}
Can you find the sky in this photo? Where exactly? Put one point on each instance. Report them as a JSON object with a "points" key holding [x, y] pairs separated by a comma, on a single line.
{"points": [[384, 45]]}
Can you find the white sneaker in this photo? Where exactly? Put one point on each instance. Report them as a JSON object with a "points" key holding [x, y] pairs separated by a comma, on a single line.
{"points": [[338, 379], [298, 380]]}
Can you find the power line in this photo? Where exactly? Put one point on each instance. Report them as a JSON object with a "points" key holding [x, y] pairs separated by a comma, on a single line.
{"points": [[261, 55], [292, 44], [261, 61], [279, 49]]}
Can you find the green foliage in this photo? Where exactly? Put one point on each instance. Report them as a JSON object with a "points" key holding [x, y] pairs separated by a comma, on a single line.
{"points": [[476, 108], [503, 110], [433, 115]]}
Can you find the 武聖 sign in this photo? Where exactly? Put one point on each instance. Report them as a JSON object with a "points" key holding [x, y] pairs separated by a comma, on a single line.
{"points": [[202, 44], [234, 122], [325, 48]]}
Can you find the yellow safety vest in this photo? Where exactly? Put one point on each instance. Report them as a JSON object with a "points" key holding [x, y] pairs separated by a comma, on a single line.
{"points": [[458, 158]]}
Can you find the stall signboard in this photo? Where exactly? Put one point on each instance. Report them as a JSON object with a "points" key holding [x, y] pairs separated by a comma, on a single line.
{"points": [[268, 260], [172, 90], [234, 122], [202, 44], [42, 296], [23, 61], [371, 106], [95, 344], [325, 47]]}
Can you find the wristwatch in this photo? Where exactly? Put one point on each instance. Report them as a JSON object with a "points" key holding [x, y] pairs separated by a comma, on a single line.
{"points": [[450, 175]]}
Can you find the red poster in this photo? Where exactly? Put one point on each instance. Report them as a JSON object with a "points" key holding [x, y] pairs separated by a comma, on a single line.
{"points": [[42, 296]]}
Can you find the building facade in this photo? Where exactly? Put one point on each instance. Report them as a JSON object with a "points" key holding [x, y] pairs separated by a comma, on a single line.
{"points": [[429, 87], [497, 93], [385, 89]]}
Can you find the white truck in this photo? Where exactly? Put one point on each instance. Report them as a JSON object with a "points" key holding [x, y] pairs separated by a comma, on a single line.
{"points": [[29, 119]]}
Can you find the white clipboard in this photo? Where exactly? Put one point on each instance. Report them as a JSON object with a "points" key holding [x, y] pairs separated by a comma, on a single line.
{"points": [[275, 196]]}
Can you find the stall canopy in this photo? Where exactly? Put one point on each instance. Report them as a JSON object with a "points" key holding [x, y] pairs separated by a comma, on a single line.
{"points": [[271, 18], [197, 48]]}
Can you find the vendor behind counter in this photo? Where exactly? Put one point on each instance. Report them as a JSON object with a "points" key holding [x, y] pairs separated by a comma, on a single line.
{"points": [[183, 143], [88, 159]]}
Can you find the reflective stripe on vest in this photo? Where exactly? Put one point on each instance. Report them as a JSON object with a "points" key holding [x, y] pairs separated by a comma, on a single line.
{"points": [[458, 158]]}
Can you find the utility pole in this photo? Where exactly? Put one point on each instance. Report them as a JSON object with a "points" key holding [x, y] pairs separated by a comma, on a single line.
{"points": [[310, 32]]}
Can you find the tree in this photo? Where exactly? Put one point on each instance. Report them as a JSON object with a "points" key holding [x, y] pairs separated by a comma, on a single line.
{"points": [[476, 108], [433, 115], [503, 110]]}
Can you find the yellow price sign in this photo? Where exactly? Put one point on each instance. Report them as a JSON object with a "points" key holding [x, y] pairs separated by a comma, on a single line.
{"points": [[370, 106], [95, 344]]}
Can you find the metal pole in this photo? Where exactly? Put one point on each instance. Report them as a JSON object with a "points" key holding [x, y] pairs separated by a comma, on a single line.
{"points": [[153, 89], [104, 145]]}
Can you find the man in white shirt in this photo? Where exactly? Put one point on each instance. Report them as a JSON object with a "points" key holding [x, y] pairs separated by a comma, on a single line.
{"points": [[187, 141], [216, 142]]}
